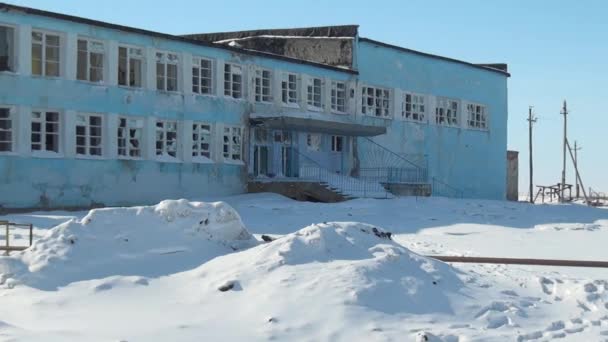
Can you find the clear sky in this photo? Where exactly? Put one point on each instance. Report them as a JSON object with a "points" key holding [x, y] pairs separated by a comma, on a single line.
{"points": [[555, 49]]}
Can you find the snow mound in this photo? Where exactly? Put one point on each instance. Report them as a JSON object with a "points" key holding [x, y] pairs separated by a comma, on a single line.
{"points": [[344, 263], [172, 236]]}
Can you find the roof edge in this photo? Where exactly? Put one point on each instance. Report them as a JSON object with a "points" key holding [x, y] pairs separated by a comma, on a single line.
{"points": [[34, 11], [331, 31], [488, 67]]}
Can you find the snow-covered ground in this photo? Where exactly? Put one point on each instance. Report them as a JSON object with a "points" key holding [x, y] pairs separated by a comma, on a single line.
{"points": [[191, 271]]}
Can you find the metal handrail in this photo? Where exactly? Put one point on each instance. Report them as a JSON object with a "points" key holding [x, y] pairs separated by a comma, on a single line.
{"points": [[458, 192], [393, 153]]}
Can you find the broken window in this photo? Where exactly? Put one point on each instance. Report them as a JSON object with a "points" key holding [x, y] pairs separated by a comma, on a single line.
{"points": [[337, 143], [130, 137], [289, 89], [6, 130], [375, 102], [88, 135], [202, 76], [338, 97], [45, 131], [166, 138], [89, 64], [315, 93], [7, 49], [446, 112], [263, 85], [232, 143], [166, 71], [130, 66], [313, 142], [45, 54], [233, 81], [414, 108], [476, 116], [201, 140]]}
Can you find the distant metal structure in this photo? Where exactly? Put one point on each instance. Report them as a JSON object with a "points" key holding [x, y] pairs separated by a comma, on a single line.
{"points": [[565, 114]]}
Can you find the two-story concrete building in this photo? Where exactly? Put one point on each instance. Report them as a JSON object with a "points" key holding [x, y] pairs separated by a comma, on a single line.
{"points": [[93, 113]]}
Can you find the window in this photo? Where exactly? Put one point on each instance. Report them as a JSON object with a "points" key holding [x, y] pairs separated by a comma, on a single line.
{"points": [[45, 131], [89, 66], [313, 142], [45, 54], [166, 138], [413, 107], [130, 137], [202, 76], [88, 135], [263, 86], [7, 49], [337, 143], [201, 140], [166, 71], [289, 89], [375, 102], [6, 130], [446, 112], [232, 143], [315, 91], [338, 97], [130, 66], [233, 81], [476, 116]]}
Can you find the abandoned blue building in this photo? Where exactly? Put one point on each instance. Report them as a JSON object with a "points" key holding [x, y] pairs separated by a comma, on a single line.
{"points": [[94, 114]]}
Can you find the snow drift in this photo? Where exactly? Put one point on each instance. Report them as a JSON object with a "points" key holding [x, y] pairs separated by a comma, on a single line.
{"points": [[169, 237]]}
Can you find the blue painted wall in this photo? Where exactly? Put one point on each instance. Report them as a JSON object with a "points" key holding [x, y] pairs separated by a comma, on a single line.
{"points": [[471, 160]]}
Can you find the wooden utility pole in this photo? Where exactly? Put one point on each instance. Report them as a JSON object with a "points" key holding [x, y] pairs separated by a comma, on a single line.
{"points": [[578, 175], [531, 121], [576, 149], [563, 187]]}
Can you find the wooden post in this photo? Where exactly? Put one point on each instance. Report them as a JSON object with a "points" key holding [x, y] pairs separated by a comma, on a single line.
{"points": [[576, 149], [531, 121], [6, 237], [577, 173], [565, 114], [31, 234]]}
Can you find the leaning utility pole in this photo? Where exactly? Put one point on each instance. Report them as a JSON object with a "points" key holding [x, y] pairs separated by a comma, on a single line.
{"points": [[563, 187], [531, 121], [576, 149]]}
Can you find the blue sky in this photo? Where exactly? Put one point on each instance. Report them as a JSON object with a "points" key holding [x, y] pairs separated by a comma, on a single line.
{"points": [[556, 50]]}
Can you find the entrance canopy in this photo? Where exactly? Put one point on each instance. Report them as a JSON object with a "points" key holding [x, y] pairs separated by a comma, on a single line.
{"points": [[335, 124]]}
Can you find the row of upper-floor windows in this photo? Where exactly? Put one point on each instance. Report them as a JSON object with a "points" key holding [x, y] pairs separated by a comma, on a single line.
{"points": [[46, 55], [90, 135], [46, 51]]}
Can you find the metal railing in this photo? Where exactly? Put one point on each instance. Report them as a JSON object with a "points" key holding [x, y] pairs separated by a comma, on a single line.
{"points": [[394, 175], [7, 245], [440, 188]]}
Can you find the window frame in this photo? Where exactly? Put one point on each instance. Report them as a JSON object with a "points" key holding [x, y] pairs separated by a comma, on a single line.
{"points": [[165, 62], [12, 51], [335, 107], [142, 72], [88, 137], [310, 96], [43, 59], [334, 143], [13, 139], [258, 93], [229, 91], [230, 144], [484, 113], [43, 133], [128, 138], [198, 142], [286, 91], [165, 153], [88, 66], [377, 101], [447, 121], [198, 66], [413, 103], [314, 145]]}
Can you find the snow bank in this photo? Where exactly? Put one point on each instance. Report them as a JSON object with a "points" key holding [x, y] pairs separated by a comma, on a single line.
{"points": [[169, 237]]}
